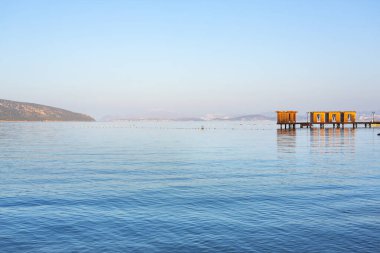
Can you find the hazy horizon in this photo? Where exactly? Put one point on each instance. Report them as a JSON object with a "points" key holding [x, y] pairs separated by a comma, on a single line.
{"points": [[190, 59]]}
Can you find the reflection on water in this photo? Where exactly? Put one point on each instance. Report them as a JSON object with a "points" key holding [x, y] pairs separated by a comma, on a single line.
{"points": [[332, 140], [324, 141], [286, 141]]}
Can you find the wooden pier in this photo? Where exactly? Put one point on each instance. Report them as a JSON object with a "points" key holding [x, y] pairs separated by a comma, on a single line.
{"points": [[334, 119], [323, 125]]}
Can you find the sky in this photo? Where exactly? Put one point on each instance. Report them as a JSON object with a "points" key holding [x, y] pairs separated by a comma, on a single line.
{"points": [[191, 58]]}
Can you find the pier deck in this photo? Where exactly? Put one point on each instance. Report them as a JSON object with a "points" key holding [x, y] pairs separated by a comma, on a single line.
{"points": [[334, 125]]}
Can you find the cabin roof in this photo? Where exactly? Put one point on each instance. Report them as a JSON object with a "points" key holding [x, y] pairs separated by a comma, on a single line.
{"points": [[332, 111]]}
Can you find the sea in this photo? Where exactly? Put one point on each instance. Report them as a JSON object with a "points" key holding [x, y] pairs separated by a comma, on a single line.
{"points": [[156, 186]]}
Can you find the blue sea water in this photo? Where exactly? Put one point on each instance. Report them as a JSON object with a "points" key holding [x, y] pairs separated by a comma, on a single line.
{"points": [[172, 187]]}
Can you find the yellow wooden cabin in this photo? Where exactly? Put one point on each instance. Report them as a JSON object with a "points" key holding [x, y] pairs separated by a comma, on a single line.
{"points": [[318, 117], [286, 117], [349, 116], [334, 117]]}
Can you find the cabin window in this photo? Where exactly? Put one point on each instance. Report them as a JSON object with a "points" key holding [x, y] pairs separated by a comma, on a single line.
{"points": [[318, 118], [349, 117], [334, 118]]}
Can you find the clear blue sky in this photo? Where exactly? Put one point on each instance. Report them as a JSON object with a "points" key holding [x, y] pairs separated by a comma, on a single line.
{"points": [[137, 58]]}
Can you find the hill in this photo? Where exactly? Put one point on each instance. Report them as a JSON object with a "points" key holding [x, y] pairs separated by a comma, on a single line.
{"points": [[253, 117], [208, 117], [20, 111]]}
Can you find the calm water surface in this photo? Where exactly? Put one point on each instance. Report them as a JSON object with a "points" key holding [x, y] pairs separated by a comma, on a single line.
{"points": [[171, 187]]}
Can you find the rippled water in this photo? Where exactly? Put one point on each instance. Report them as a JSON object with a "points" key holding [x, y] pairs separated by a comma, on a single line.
{"points": [[171, 187]]}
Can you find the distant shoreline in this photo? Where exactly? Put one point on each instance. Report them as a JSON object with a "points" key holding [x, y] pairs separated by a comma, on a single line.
{"points": [[23, 121]]}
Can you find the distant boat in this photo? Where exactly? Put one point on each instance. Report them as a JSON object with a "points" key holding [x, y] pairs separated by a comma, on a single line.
{"points": [[378, 134]]}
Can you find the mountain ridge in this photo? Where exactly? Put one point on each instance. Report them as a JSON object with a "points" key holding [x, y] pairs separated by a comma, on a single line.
{"points": [[25, 111], [248, 117]]}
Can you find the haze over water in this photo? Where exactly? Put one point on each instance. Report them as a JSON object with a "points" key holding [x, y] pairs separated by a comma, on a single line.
{"points": [[171, 187]]}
